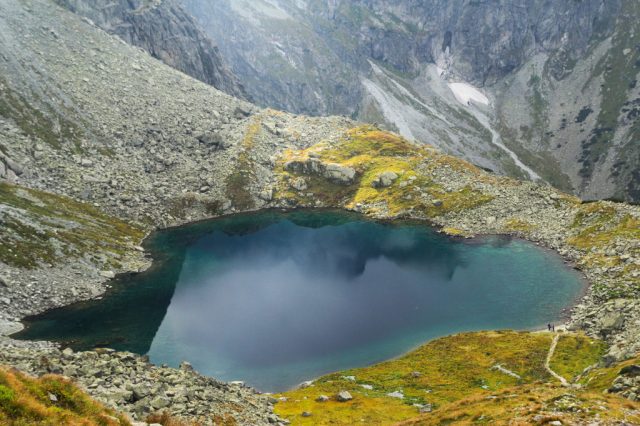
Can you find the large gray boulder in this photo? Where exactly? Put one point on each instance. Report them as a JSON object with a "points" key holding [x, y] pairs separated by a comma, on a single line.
{"points": [[336, 173], [384, 179]]}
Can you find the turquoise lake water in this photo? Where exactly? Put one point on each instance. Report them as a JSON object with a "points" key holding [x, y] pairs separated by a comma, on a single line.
{"points": [[274, 299]]}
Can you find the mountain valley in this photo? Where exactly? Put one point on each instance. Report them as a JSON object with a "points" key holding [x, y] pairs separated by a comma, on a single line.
{"points": [[116, 122]]}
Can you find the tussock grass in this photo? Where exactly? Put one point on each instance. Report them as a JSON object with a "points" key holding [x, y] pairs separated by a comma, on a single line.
{"points": [[50, 400]]}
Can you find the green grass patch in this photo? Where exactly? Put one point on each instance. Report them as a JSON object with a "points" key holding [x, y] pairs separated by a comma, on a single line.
{"points": [[441, 372], [567, 364]]}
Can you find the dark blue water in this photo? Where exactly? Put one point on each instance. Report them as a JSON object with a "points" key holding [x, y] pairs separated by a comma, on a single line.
{"points": [[274, 299]]}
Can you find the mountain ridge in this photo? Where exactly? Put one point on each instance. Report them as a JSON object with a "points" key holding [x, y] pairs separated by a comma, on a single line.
{"points": [[563, 59]]}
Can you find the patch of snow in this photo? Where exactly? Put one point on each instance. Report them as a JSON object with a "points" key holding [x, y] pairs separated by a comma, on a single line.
{"points": [[396, 394], [466, 93]]}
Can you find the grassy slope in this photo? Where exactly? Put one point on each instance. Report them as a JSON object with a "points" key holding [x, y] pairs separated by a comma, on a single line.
{"points": [[50, 400], [535, 404], [457, 378], [370, 152], [40, 227]]}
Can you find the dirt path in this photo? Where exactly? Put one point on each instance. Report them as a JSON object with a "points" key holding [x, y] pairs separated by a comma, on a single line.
{"points": [[552, 349]]}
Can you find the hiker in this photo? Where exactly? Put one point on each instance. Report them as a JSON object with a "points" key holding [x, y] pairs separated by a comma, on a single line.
{"points": [[553, 327], [549, 327]]}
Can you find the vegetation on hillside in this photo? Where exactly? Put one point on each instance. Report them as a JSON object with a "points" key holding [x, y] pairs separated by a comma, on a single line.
{"points": [[608, 234], [372, 152], [470, 378], [39, 227], [50, 400]]}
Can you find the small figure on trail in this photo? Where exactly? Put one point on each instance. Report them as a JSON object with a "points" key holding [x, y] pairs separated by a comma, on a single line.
{"points": [[553, 327], [549, 326]]}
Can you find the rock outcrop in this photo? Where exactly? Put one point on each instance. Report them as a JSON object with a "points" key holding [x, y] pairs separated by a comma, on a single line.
{"points": [[167, 32], [337, 173]]}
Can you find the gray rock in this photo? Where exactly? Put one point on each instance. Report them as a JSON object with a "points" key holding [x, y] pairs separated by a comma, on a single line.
{"points": [[139, 392], [396, 394], [212, 139], [159, 402], [343, 396], [339, 173], [240, 112], [384, 180], [266, 194], [298, 184], [632, 370], [107, 274], [305, 384], [184, 365]]}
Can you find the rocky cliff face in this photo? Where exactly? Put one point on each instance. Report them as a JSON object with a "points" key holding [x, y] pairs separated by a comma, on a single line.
{"points": [[166, 32], [558, 77], [284, 62]]}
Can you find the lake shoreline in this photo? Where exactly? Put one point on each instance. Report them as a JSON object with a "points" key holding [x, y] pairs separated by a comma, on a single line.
{"points": [[309, 219]]}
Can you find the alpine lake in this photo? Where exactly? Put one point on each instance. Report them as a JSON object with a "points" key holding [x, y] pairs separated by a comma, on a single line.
{"points": [[276, 298]]}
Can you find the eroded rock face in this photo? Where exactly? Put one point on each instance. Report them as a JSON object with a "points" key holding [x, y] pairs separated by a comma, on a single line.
{"points": [[337, 173], [167, 32], [403, 34]]}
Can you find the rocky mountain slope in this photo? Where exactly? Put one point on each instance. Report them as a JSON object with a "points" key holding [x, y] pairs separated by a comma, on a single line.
{"points": [[553, 82], [100, 143], [167, 32]]}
